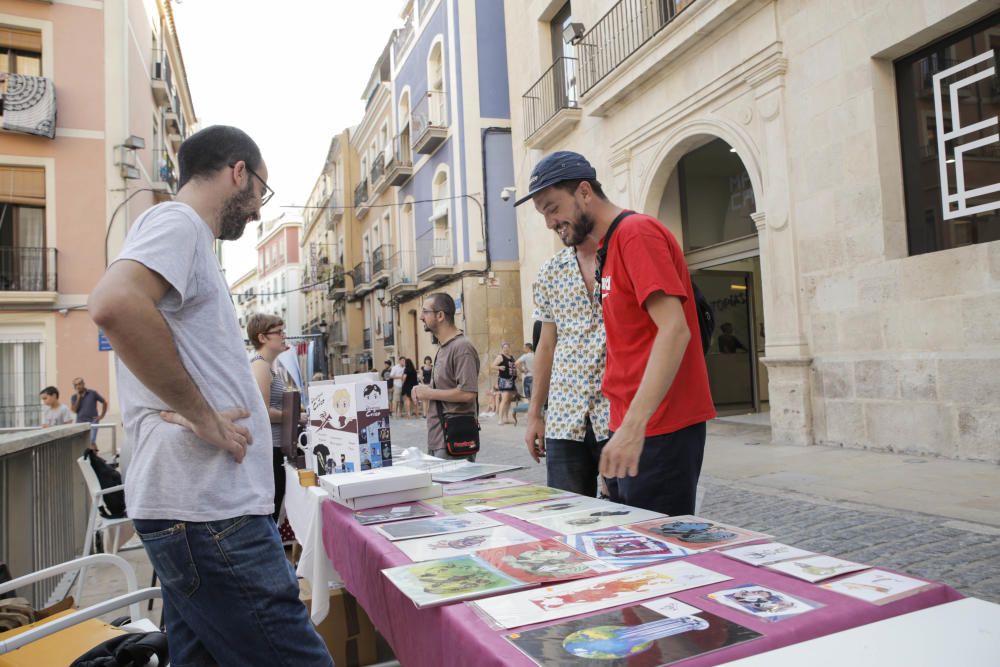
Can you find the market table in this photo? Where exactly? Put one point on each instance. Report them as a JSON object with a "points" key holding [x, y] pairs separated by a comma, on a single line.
{"points": [[455, 635]]}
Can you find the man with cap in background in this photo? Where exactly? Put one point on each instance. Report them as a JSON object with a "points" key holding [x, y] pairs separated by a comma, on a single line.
{"points": [[655, 377]]}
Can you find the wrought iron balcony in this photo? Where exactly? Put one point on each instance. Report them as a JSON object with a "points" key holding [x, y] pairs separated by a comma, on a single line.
{"points": [[619, 33], [430, 120], [403, 275], [27, 269], [161, 78], [164, 175], [399, 168], [388, 334], [380, 260], [366, 337], [361, 276], [551, 102], [434, 256], [378, 170], [361, 199]]}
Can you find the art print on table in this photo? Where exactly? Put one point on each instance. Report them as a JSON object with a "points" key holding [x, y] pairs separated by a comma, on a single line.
{"points": [[624, 548], [631, 637], [449, 580], [499, 498], [459, 544], [439, 525], [589, 595], [480, 485], [543, 561], [556, 507], [816, 568], [694, 533], [387, 514], [604, 516], [765, 554], [765, 603], [877, 586]]}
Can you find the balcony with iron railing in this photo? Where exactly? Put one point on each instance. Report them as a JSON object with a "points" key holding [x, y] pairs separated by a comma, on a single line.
{"points": [[361, 276], [361, 199], [388, 334], [28, 275], [399, 167], [378, 170], [366, 338], [337, 285], [550, 106], [402, 39], [430, 120], [161, 78], [164, 175], [402, 274], [334, 209], [336, 333], [434, 257], [380, 263]]}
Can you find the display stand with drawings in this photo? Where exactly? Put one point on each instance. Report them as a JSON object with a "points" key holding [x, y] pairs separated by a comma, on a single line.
{"points": [[348, 427]]}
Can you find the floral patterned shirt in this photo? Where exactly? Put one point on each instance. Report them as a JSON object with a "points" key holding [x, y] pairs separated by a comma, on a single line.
{"points": [[578, 364]]}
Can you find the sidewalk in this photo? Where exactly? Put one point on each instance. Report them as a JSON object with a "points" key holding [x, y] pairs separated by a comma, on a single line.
{"points": [[957, 490]]}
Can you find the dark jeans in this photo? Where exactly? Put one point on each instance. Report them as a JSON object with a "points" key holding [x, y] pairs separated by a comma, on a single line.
{"points": [[229, 594], [669, 467], [572, 465]]}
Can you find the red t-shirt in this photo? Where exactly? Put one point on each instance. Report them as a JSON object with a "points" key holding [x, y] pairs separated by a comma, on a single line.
{"points": [[644, 257]]}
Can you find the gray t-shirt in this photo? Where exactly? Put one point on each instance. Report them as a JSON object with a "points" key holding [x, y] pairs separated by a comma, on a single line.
{"points": [[456, 365], [171, 473], [56, 416]]}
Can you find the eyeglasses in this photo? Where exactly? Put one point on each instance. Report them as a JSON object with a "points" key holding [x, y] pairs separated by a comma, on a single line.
{"points": [[279, 332], [268, 193], [425, 311]]}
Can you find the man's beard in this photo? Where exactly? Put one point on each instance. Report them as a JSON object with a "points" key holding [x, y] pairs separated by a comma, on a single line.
{"points": [[236, 213], [580, 228]]}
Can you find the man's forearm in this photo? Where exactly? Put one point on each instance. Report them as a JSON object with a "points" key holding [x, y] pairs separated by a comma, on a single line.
{"points": [[455, 395], [142, 340], [541, 376]]}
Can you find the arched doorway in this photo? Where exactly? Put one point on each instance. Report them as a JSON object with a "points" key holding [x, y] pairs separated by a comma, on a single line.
{"points": [[707, 201]]}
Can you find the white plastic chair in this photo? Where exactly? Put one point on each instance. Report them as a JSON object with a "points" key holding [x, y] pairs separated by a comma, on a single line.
{"points": [[96, 522]]}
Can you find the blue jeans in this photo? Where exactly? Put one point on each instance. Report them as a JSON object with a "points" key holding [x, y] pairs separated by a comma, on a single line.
{"points": [[528, 381], [572, 465], [669, 468], [230, 596]]}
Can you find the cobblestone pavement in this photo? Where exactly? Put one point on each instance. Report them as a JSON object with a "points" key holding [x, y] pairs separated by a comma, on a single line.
{"points": [[909, 542]]}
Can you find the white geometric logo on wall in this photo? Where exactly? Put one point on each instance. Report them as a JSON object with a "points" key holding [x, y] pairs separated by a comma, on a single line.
{"points": [[957, 205]]}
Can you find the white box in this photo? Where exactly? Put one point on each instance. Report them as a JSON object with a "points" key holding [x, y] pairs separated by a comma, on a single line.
{"points": [[383, 499], [371, 482], [348, 428]]}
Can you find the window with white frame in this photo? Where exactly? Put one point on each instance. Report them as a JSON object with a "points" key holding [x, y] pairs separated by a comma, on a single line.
{"points": [[21, 380]]}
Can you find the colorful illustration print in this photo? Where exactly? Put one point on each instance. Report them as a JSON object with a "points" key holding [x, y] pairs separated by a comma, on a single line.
{"points": [[435, 526], [517, 495], [764, 554], [605, 515], [765, 603], [449, 579], [458, 544], [695, 533], [631, 637], [877, 586], [817, 568], [543, 561], [623, 547]]}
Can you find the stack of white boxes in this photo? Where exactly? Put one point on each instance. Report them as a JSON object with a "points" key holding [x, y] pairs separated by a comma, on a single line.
{"points": [[379, 487]]}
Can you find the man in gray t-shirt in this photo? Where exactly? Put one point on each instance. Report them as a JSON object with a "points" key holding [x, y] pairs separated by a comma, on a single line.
{"points": [[199, 484], [456, 372]]}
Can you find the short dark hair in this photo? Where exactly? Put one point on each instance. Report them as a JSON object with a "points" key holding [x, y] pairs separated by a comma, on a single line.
{"points": [[444, 303], [571, 186], [49, 391], [530, 346], [217, 146]]}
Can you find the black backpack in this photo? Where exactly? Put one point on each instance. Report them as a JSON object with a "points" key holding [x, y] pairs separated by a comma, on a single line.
{"points": [[130, 650], [108, 477], [706, 318]]}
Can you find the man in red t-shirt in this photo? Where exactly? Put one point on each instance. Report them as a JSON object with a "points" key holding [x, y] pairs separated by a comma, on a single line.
{"points": [[655, 379]]}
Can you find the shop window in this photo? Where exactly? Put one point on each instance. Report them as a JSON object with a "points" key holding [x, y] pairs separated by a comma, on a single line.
{"points": [[948, 96]]}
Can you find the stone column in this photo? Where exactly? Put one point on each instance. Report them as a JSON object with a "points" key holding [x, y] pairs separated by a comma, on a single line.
{"points": [[787, 355]]}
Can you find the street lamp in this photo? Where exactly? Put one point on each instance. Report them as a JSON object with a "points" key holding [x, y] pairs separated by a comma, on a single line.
{"points": [[380, 295]]}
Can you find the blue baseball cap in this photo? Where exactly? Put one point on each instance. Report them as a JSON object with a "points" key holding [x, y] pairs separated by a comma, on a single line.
{"points": [[556, 168]]}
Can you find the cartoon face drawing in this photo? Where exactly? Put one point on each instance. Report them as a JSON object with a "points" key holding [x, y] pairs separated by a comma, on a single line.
{"points": [[341, 402]]}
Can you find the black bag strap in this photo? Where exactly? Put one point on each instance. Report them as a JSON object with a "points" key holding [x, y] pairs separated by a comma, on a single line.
{"points": [[602, 252]]}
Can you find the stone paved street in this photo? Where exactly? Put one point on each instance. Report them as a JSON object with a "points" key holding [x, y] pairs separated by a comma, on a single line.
{"points": [[964, 555]]}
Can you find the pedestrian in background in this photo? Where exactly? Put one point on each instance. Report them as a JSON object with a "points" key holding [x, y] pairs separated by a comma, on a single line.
{"points": [[525, 366], [84, 404], [199, 488], [506, 369], [267, 336], [54, 413], [410, 380]]}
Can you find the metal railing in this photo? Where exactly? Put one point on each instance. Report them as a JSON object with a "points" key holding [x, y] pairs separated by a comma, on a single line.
{"points": [[402, 269], [402, 153], [554, 91], [361, 274], [378, 169], [619, 33], [433, 249], [335, 333], [163, 168], [361, 193], [161, 70], [380, 258], [366, 338], [27, 269], [430, 111], [43, 502], [337, 279]]}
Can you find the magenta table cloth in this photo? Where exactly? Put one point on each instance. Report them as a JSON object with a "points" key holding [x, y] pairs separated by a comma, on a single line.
{"points": [[455, 635]]}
